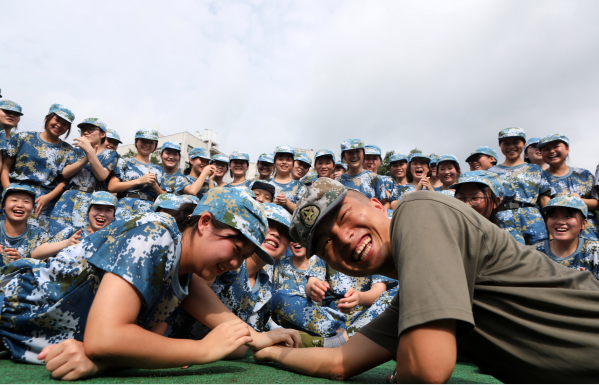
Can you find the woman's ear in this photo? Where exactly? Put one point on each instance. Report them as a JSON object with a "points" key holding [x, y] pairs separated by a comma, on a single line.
{"points": [[584, 224], [204, 222], [496, 203]]}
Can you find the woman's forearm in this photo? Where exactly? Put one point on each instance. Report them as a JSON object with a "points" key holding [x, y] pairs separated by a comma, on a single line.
{"points": [[7, 163], [368, 297], [73, 168], [116, 186], [100, 172], [57, 191], [592, 204], [47, 250]]}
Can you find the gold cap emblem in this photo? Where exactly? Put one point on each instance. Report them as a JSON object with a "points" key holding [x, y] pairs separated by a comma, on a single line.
{"points": [[309, 214]]}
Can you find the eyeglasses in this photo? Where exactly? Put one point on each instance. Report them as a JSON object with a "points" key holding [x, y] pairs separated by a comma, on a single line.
{"points": [[91, 129], [473, 200]]}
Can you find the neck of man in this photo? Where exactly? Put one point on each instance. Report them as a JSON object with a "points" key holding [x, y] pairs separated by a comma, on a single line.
{"points": [[562, 249], [14, 228]]}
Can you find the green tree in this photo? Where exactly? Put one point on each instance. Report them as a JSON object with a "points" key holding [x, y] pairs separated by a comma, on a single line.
{"points": [[414, 151], [154, 157], [384, 169]]}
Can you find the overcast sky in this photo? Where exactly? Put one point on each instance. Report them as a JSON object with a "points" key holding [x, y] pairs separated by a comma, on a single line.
{"points": [[443, 76]]}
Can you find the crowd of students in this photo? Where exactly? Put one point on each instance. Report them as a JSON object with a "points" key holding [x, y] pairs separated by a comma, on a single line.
{"points": [[106, 256]]}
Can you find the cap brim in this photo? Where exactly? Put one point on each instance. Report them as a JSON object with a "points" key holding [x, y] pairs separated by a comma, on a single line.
{"points": [[339, 199], [264, 255]]}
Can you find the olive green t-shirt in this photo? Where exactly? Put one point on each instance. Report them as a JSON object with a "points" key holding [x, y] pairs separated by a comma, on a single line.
{"points": [[520, 316]]}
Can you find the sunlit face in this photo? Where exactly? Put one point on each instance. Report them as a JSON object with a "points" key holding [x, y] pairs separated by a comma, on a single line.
{"points": [[265, 169], [448, 174], [419, 168], [564, 224], [100, 216], [372, 163], [555, 153], [215, 251], [170, 158], [111, 144], [277, 239], [283, 163], [92, 133], [338, 172], [297, 250], [198, 164], [354, 158], [399, 169], [239, 167], [300, 169], [533, 153], [262, 196], [9, 119], [481, 162], [221, 168], [473, 195], [324, 166], [512, 147], [145, 147], [354, 238], [18, 206], [57, 126]]}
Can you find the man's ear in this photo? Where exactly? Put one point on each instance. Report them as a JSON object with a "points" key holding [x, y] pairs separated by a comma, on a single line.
{"points": [[378, 205]]}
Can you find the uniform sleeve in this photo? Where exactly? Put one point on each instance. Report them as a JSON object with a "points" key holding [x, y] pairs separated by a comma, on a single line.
{"points": [[394, 196], [379, 278], [160, 179], [594, 192], [181, 183], [300, 191], [143, 256], [545, 187], [591, 257], [110, 162], [3, 142], [75, 155], [62, 235], [14, 145], [120, 169], [317, 269]]}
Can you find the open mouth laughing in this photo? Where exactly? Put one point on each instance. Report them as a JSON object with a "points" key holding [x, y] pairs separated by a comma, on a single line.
{"points": [[362, 250]]}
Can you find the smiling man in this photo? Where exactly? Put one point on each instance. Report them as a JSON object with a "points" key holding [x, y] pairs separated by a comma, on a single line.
{"points": [[520, 316]]}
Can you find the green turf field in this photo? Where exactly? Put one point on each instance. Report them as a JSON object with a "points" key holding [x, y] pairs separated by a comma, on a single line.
{"points": [[244, 371]]}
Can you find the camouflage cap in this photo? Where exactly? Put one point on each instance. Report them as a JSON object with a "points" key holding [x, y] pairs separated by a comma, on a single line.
{"points": [[351, 144], [324, 152], [309, 178], [62, 111], [284, 150], [341, 163], [199, 152], [9, 105], [146, 133], [448, 157], [219, 158], [482, 150], [277, 213], [103, 198], [530, 142], [570, 201], [419, 155], [487, 178], [263, 185], [236, 155], [512, 132], [112, 134], [397, 158], [371, 149], [302, 158], [94, 122], [171, 145], [268, 158], [433, 159], [553, 138], [237, 209], [319, 199], [173, 201], [18, 187]]}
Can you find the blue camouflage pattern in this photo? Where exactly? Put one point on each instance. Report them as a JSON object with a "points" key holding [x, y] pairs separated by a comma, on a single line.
{"points": [[219, 158], [302, 157], [486, 178], [284, 149], [112, 134], [277, 213], [38, 164], [243, 185], [129, 169], [146, 133], [512, 132], [199, 152], [94, 122], [553, 138], [351, 144], [25, 243], [433, 159], [324, 152], [448, 158], [173, 201], [71, 209], [9, 105], [419, 155], [171, 145], [47, 303], [530, 142], [366, 182], [483, 150], [397, 158], [585, 258], [342, 164], [17, 187], [236, 155], [570, 201], [399, 190], [203, 190], [309, 178], [292, 190], [268, 158], [175, 182], [263, 184], [103, 198], [371, 149], [288, 277], [63, 112]]}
